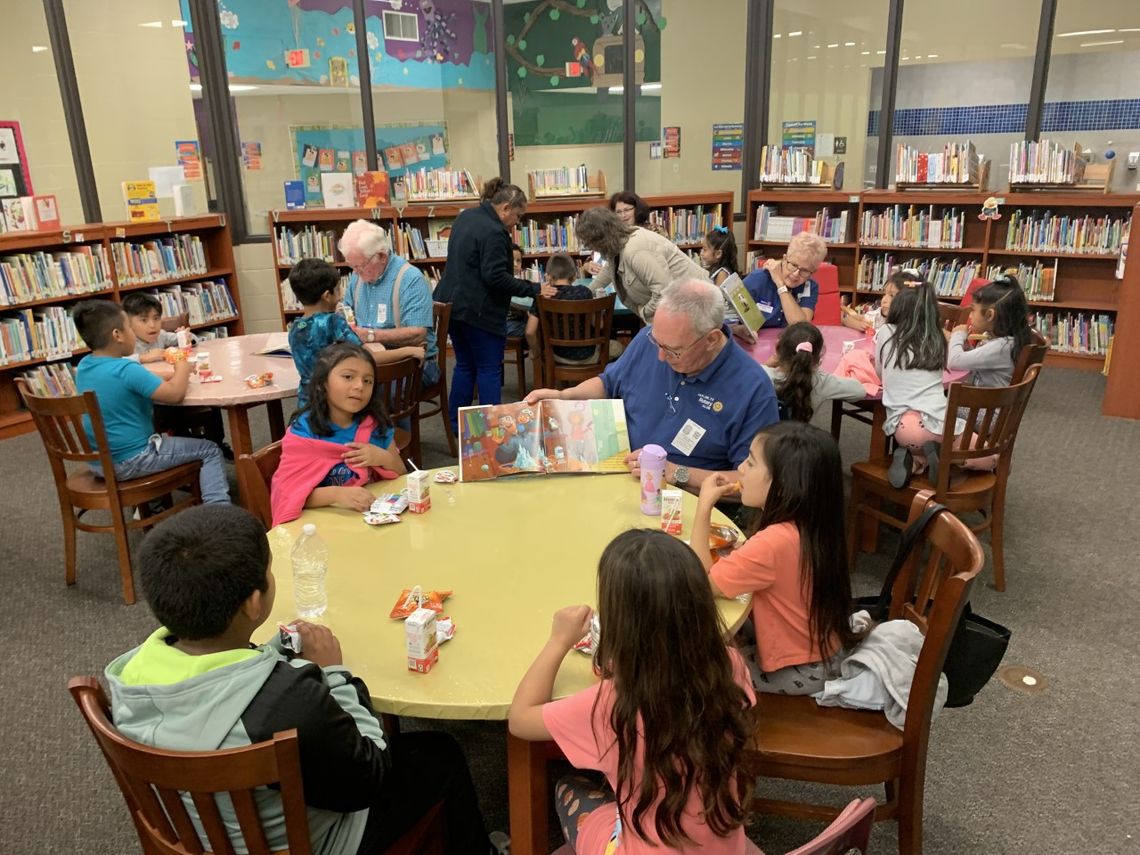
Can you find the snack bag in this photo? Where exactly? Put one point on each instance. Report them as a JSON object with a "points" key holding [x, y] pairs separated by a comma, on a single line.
{"points": [[411, 599]]}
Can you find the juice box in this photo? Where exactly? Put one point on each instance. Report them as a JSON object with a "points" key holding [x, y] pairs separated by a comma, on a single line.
{"points": [[419, 635], [419, 492], [671, 510]]}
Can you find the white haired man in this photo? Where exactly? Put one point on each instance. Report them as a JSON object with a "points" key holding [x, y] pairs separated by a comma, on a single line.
{"points": [[389, 296], [686, 386]]}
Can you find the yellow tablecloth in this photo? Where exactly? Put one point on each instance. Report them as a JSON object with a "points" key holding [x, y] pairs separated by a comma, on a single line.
{"points": [[513, 550]]}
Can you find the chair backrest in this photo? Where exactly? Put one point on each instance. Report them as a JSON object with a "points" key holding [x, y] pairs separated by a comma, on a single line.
{"points": [[255, 474], [1032, 354], [827, 308], [441, 317], [171, 323], [950, 315], [153, 780], [930, 591], [992, 415], [575, 323], [851, 830], [401, 382]]}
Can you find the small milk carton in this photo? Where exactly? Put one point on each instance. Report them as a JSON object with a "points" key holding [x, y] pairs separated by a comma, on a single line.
{"points": [[419, 492], [419, 633], [671, 511]]}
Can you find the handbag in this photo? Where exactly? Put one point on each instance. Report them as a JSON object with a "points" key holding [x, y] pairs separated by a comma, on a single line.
{"points": [[978, 644]]}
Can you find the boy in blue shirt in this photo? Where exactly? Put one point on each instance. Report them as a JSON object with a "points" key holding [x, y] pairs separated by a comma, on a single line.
{"points": [[316, 284], [127, 393]]}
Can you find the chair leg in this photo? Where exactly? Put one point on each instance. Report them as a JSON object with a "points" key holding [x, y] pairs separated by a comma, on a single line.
{"points": [[910, 796], [414, 443], [997, 537], [836, 419], [521, 365], [443, 414], [69, 544], [123, 544], [853, 532]]}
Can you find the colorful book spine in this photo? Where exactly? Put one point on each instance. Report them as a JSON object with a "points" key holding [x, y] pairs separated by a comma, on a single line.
{"points": [[308, 242], [1075, 332], [919, 227], [1048, 232], [780, 165], [53, 380], [1037, 280], [1044, 162], [771, 226], [957, 163], [559, 235], [560, 181], [950, 278], [33, 276], [47, 333], [161, 258], [426, 185]]}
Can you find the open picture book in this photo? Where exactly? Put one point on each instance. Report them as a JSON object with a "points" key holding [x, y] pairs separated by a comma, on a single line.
{"points": [[751, 319], [547, 438], [276, 344]]}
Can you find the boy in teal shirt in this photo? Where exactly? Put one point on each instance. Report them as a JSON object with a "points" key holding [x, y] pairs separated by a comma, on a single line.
{"points": [[127, 393]]}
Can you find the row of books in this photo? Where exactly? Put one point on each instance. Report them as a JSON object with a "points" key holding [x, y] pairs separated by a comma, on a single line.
{"points": [[919, 227], [1049, 232], [410, 242], [52, 380], [202, 302], [1038, 281], [38, 334], [949, 278], [1044, 162], [1075, 333], [957, 163], [775, 227], [32, 276], [308, 242], [780, 165], [559, 235], [432, 185], [157, 259], [686, 225], [560, 181]]}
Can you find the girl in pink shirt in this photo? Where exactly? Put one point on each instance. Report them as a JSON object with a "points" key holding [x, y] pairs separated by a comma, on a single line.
{"points": [[795, 560], [672, 696]]}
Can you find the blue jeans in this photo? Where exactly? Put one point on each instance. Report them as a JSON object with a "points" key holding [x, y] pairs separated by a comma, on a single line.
{"points": [[166, 452], [478, 359]]}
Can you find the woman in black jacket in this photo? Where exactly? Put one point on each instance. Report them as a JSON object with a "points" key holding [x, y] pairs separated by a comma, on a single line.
{"points": [[478, 283]]}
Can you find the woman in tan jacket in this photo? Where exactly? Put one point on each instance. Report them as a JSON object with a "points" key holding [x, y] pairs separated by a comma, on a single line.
{"points": [[640, 263]]}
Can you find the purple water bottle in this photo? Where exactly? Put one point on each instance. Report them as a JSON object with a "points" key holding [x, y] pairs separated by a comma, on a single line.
{"points": [[652, 477]]}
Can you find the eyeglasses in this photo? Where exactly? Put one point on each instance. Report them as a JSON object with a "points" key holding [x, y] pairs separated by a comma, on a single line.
{"points": [[800, 271], [672, 352], [624, 210]]}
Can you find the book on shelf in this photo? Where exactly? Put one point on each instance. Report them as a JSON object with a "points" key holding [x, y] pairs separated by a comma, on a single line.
{"points": [[1045, 162], [159, 258], [561, 181], [372, 189], [141, 199], [432, 273], [31, 276], [950, 278], [686, 225], [294, 195], [549, 438], [47, 212], [306, 242], [1075, 332], [431, 185], [921, 226], [791, 165], [202, 302], [957, 163], [410, 242], [185, 200], [1037, 280], [558, 235], [1048, 232], [53, 380], [19, 214], [44, 333], [771, 226], [212, 333], [336, 189]]}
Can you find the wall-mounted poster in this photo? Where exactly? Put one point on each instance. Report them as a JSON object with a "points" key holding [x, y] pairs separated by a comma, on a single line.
{"points": [[727, 146], [189, 158], [15, 179], [672, 139], [800, 134]]}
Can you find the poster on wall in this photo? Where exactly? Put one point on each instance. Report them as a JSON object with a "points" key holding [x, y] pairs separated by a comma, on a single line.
{"points": [[727, 146], [251, 156], [671, 136], [799, 134], [15, 179], [189, 158]]}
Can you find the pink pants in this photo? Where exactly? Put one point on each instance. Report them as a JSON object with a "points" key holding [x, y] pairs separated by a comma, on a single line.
{"points": [[912, 433]]}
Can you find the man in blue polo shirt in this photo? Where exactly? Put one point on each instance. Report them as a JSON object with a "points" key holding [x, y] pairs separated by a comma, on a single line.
{"points": [[388, 295], [686, 386], [784, 290]]}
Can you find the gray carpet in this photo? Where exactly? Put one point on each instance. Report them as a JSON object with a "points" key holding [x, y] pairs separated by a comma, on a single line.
{"points": [[1054, 772]]}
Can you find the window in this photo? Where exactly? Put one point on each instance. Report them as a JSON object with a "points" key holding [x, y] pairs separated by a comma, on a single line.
{"points": [[401, 26]]}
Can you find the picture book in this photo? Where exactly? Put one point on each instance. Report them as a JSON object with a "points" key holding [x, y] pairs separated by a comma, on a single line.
{"points": [[409, 153], [325, 160], [294, 195], [343, 161], [336, 188], [372, 189], [548, 438], [359, 162], [17, 221], [276, 344], [47, 212], [751, 318], [142, 201], [394, 158], [309, 156]]}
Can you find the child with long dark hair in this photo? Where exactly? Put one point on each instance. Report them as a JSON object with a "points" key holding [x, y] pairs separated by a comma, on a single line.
{"points": [[794, 562], [340, 442], [718, 254], [669, 721], [801, 386], [1001, 312]]}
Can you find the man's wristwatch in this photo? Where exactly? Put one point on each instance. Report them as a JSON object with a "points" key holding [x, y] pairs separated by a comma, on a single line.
{"points": [[783, 289], [371, 336], [680, 475]]}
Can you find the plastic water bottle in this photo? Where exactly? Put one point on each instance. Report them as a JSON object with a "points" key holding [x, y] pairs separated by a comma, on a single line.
{"points": [[310, 563]]}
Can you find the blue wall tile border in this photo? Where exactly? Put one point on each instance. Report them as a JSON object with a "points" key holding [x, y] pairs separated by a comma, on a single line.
{"points": [[1118, 114]]}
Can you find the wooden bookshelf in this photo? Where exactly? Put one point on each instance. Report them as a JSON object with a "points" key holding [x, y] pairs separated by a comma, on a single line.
{"points": [[1122, 392], [211, 229], [792, 203]]}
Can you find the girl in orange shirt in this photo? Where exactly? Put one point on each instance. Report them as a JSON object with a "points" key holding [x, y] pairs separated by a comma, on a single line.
{"points": [[794, 562]]}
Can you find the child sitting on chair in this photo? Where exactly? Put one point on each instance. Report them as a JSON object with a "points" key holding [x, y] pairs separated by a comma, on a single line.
{"points": [[562, 273], [198, 683], [127, 392]]}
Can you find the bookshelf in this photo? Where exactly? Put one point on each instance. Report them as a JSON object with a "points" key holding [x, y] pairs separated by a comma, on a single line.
{"points": [[1122, 391], [546, 228], [185, 261], [1084, 286], [808, 208]]}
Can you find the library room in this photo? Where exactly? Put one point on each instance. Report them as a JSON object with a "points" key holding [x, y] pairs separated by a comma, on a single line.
{"points": [[824, 310]]}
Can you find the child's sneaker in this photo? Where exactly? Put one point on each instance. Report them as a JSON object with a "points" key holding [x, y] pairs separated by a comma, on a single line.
{"points": [[500, 843]]}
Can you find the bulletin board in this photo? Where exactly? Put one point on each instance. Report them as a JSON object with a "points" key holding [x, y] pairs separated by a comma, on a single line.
{"points": [[340, 148]]}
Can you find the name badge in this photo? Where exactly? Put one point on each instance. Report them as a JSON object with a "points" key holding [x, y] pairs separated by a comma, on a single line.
{"points": [[766, 308], [688, 437], [382, 314]]}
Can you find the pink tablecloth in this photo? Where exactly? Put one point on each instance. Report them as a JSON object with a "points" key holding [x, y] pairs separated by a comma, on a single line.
{"points": [[234, 359]]}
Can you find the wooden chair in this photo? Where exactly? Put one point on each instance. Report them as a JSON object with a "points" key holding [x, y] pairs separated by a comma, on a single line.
{"points": [[574, 323], [851, 831], [171, 323], [1031, 354], [402, 381], [951, 314], [515, 351], [799, 740], [255, 474], [60, 424], [993, 415], [441, 314]]}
